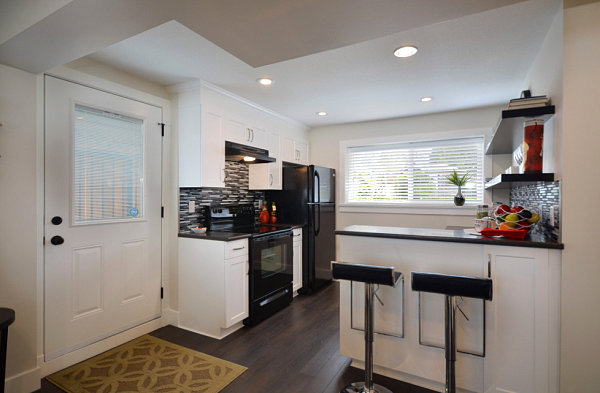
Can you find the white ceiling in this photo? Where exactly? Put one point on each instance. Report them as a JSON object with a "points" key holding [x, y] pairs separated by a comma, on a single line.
{"points": [[331, 55]]}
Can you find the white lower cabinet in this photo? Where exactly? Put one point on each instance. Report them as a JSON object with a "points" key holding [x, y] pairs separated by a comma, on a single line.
{"points": [[236, 290], [522, 322], [213, 285], [297, 246]]}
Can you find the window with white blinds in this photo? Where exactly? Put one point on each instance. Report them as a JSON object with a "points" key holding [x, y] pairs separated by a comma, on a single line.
{"points": [[414, 173], [108, 166]]}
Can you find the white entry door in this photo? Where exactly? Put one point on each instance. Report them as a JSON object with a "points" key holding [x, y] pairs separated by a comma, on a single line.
{"points": [[102, 251]]}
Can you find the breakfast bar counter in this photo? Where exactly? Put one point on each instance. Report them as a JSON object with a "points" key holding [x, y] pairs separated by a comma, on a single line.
{"points": [[510, 343], [447, 235]]}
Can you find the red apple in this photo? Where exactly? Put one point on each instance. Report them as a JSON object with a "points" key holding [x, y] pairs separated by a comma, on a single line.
{"points": [[516, 209], [502, 209]]}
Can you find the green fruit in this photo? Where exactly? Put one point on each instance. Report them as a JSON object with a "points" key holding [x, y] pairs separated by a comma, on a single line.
{"points": [[512, 217], [501, 218]]}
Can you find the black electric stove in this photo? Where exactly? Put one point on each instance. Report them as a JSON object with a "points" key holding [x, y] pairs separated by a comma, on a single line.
{"points": [[270, 257], [241, 219]]}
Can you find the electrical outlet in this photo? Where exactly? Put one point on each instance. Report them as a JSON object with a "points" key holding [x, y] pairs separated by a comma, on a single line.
{"points": [[192, 207]]}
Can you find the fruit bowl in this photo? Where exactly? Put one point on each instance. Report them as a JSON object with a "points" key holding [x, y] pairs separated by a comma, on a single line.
{"points": [[198, 229], [515, 218]]}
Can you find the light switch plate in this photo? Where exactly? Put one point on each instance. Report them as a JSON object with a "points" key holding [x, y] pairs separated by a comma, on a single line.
{"points": [[192, 207]]}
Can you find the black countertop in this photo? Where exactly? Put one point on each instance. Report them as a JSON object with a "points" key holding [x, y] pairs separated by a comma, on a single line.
{"points": [[446, 235], [229, 236], [219, 236]]}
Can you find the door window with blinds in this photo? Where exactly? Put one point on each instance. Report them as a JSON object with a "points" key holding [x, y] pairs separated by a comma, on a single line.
{"points": [[414, 172], [108, 167]]}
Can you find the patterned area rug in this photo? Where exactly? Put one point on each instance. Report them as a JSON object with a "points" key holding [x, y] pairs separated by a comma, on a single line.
{"points": [[148, 365]]}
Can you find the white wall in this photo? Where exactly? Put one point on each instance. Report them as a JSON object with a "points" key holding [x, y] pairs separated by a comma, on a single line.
{"points": [[18, 209], [580, 308], [325, 147]]}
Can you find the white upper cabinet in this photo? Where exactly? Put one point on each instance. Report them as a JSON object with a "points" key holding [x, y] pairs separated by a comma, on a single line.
{"points": [[267, 176], [243, 125], [201, 143], [294, 151], [209, 116]]}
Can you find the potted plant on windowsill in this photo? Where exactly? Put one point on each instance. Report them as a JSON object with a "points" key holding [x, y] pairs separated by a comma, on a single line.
{"points": [[459, 181]]}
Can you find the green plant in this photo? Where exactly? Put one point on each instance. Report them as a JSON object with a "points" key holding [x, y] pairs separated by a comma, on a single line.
{"points": [[457, 180]]}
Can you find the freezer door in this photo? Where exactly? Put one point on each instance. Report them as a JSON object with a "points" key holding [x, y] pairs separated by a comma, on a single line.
{"points": [[321, 187]]}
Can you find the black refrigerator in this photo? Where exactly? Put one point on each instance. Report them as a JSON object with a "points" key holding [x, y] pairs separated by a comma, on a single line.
{"points": [[308, 198]]}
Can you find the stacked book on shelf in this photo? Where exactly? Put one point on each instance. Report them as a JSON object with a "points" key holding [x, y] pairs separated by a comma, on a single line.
{"points": [[529, 102]]}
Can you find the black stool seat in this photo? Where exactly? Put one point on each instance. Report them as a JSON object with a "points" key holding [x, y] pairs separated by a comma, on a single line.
{"points": [[446, 284], [372, 274], [7, 317]]}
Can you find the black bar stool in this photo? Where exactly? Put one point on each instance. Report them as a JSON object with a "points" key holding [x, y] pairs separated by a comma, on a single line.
{"points": [[370, 275], [452, 286], [7, 316]]}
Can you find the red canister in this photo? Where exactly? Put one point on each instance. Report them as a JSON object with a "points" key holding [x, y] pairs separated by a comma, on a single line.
{"points": [[532, 146]]}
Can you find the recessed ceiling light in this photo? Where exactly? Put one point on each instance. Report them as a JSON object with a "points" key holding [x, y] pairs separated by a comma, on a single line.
{"points": [[249, 159], [265, 81], [322, 113], [426, 99], [406, 51]]}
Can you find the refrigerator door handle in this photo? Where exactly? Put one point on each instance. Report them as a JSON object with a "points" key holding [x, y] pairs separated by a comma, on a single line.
{"points": [[317, 187], [318, 220]]}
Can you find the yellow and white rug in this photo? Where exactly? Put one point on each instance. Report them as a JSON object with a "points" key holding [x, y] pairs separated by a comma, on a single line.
{"points": [[148, 365]]}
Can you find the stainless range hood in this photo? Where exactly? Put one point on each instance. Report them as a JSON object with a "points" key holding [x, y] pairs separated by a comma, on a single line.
{"points": [[247, 154]]}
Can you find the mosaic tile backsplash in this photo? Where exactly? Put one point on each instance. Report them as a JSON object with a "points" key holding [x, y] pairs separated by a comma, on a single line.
{"points": [[539, 198], [235, 192]]}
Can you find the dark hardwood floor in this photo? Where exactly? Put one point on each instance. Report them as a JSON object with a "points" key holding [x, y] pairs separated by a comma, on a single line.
{"points": [[295, 351]]}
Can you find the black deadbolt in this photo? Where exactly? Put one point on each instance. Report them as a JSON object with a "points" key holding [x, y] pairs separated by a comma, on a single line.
{"points": [[57, 240], [56, 220]]}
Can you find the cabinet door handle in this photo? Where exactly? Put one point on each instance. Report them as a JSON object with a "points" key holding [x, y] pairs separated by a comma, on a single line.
{"points": [[238, 248], [298, 235], [270, 179], [252, 133], [247, 135], [489, 263]]}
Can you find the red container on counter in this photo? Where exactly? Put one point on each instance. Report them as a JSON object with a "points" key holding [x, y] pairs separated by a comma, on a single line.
{"points": [[532, 146]]}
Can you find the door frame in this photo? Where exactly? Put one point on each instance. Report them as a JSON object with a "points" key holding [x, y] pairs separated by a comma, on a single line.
{"points": [[169, 223]]}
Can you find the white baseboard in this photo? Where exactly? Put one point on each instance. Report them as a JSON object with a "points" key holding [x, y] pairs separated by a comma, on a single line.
{"points": [[170, 317], [27, 381]]}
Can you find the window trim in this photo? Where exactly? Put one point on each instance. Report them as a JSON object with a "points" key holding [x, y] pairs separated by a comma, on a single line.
{"points": [[410, 207]]}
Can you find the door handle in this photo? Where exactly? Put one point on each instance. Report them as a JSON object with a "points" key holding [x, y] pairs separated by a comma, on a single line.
{"points": [[270, 179], [317, 230], [56, 220], [57, 240], [252, 131]]}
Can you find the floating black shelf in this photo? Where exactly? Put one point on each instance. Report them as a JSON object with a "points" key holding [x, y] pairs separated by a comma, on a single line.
{"points": [[518, 179], [509, 131]]}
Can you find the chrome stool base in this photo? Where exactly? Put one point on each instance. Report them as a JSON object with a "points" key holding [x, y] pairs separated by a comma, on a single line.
{"points": [[359, 387]]}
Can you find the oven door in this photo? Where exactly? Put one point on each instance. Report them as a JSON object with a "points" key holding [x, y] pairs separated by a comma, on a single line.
{"points": [[271, 263]]}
